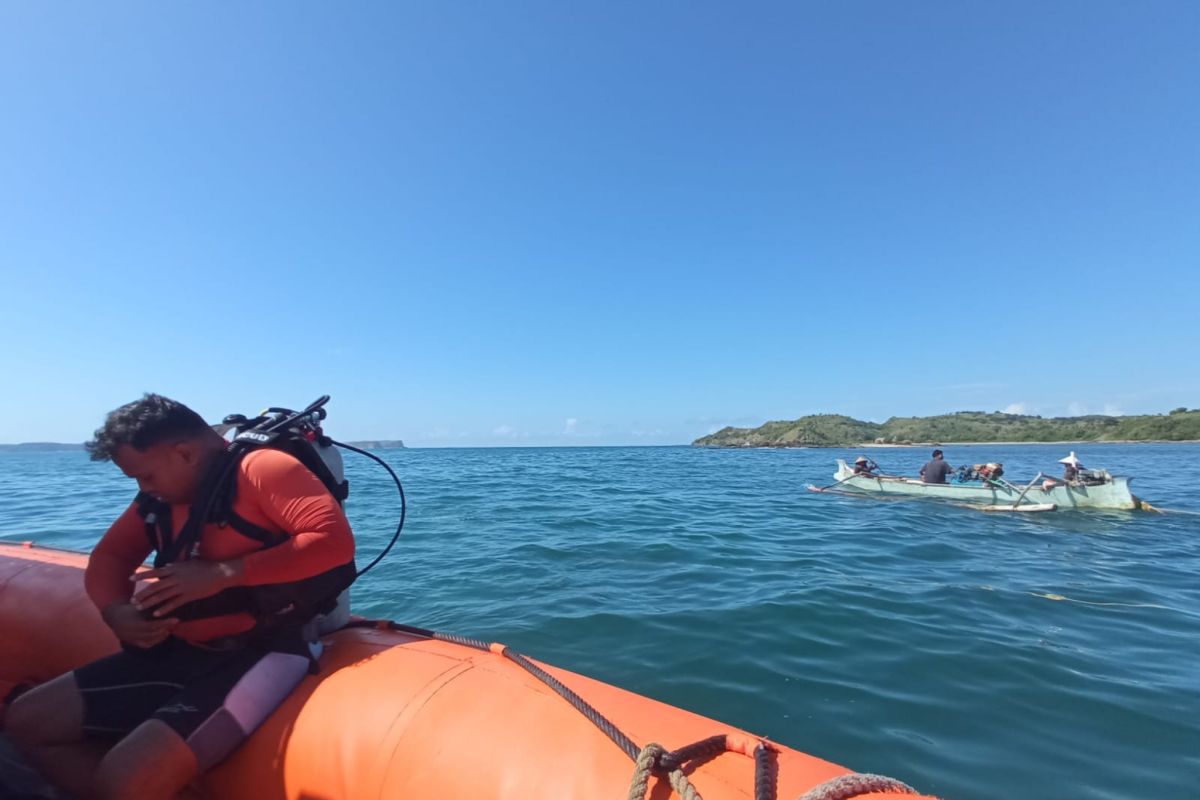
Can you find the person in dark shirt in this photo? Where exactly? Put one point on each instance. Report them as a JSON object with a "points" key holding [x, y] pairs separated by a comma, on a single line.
{"points": [[936, 470], [862, 466]]}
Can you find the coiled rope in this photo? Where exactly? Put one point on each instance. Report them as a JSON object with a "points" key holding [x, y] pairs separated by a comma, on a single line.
{"points": [[648, 761], [845, 787]]}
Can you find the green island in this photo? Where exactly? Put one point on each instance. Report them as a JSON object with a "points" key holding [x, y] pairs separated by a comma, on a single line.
{"points": [[837, 430]]}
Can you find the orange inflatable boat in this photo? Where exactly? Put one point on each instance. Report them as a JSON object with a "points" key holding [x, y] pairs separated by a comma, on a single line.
{"points": [[404, 713]]}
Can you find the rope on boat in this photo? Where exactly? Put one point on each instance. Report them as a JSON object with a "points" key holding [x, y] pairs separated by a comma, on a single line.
{"points": [[653, 758], [694, 754], [845, 787], [649, 760], [764, 774], [582, 706]]}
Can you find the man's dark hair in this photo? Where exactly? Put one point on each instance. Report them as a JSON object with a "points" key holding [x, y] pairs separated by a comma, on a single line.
{"points": [[145, 423], [937, 453]]}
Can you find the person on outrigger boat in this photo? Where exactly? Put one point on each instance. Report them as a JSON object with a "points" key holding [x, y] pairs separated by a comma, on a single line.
{"points": [[936, 470], [1072, 467], [863, 466], [214, 637]]}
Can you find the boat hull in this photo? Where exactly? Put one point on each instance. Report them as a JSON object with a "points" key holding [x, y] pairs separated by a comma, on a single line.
{"points": [[1114, 494], [393, 714]]}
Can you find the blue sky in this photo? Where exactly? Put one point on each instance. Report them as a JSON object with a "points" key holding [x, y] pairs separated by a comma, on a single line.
{"points": [[597, 223]]}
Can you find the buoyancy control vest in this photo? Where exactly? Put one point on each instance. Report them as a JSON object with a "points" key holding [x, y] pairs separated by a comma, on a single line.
{"points": [[272, 605]]}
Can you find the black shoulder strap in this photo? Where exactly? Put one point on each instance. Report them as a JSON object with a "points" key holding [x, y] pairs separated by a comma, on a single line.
{"points": [[214, 485], [299, 448], [157, 517], [296, 445], [248, 529]]}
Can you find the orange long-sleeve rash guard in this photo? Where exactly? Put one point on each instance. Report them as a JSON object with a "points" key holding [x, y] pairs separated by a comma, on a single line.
{"points": [[274, 491]]}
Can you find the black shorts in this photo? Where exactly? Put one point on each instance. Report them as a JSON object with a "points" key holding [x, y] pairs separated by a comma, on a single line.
{"points": [[213, 699]]}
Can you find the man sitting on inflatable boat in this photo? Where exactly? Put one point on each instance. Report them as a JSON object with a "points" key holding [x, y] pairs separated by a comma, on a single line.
{"points": [[252, 544]]}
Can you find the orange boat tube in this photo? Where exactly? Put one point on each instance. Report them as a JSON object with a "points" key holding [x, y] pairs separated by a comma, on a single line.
{"points": [[399, 713]]}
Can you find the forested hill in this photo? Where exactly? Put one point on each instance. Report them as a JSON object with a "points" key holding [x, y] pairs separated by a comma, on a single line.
{"points": [[836, 430]]}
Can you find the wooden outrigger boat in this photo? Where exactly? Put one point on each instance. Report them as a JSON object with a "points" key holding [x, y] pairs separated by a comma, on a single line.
{"points": [[1108, 491]]}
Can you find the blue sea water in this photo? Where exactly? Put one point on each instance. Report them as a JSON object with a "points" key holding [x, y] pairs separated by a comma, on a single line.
{"points": [[971, 655]]}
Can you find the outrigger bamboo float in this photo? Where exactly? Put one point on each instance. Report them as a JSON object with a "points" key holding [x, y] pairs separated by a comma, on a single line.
{"points": [[401, 712], [1105, 491]]}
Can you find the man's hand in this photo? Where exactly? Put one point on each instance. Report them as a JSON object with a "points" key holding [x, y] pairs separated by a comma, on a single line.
{"points": [[131, 627], [175, 584]]}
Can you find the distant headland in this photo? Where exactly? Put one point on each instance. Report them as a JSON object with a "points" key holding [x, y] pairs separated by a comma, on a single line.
{"points": [[836, 430], [378, 444], [40, 447]]}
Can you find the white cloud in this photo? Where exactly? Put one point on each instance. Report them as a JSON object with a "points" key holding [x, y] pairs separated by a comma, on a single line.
{"points": [[505, 430], [570, 425], [1113, 410], [1076, 409], [1016, 408]]}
